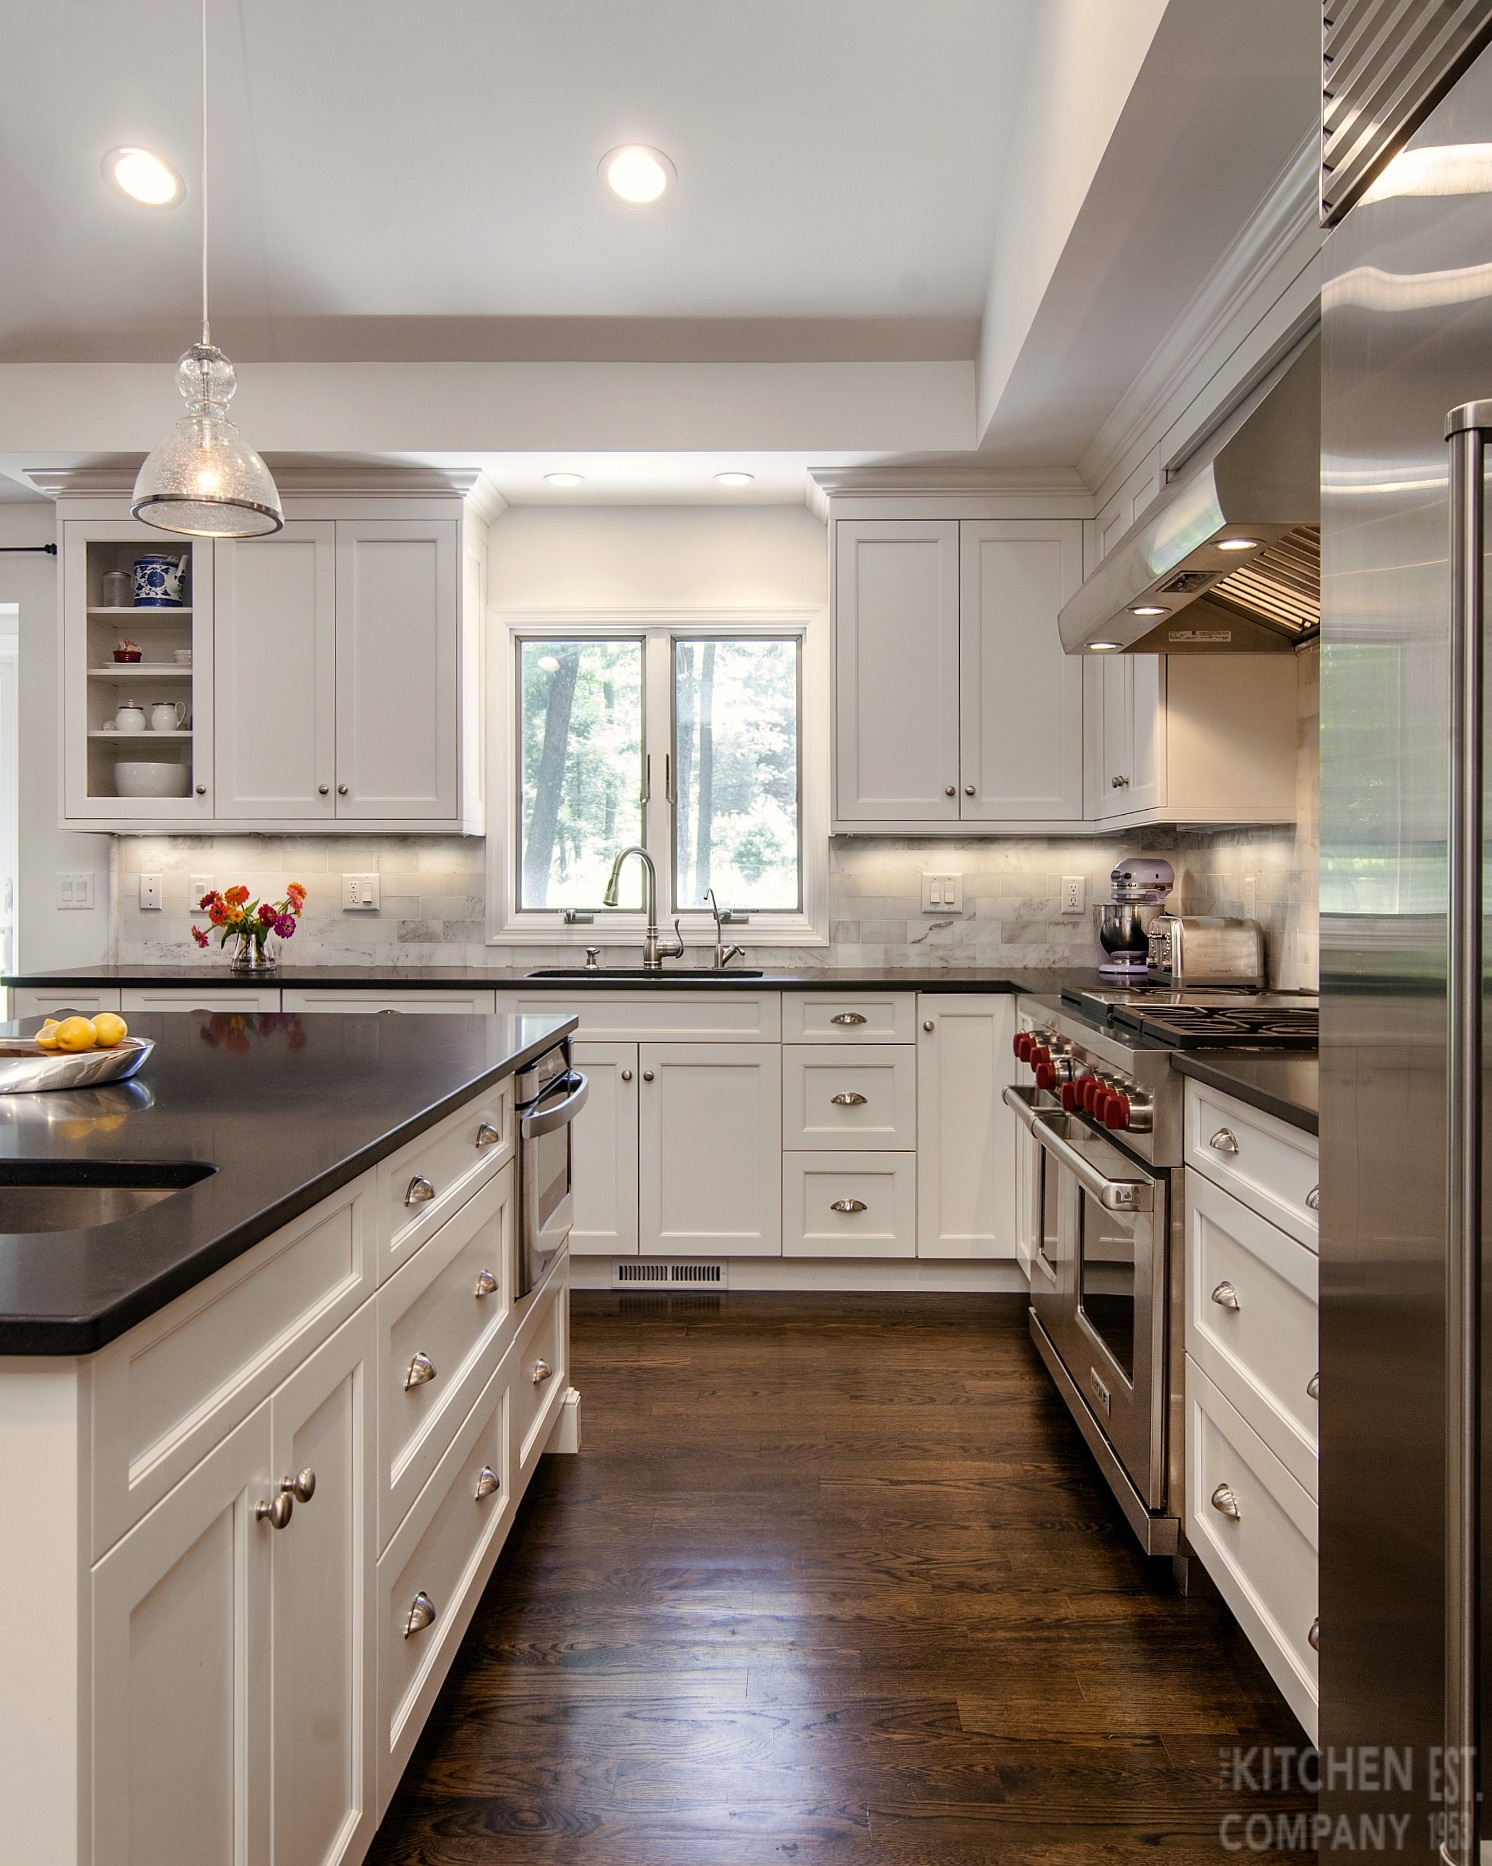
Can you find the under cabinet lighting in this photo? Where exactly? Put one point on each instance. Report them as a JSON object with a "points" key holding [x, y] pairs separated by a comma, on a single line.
{"points": [[564, 479], [735, 479], [636, 174], [144, 177]]}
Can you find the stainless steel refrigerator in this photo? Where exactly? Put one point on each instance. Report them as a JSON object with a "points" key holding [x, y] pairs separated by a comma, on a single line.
{"points": [[1406, 419]]}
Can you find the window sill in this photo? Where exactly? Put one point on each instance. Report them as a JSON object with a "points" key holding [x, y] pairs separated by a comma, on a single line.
{"points": [[792, 930]]}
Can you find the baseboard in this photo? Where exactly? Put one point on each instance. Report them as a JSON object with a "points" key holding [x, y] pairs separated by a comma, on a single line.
{"points": [[837, 1273]]}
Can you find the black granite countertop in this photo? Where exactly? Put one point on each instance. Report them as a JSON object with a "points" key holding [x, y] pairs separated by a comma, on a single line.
{"points": [[508, 978], [287, 1109], [1285, 1083]]}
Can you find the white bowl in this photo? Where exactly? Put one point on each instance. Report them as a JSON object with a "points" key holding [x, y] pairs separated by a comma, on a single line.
{"points": [[145, 777]]}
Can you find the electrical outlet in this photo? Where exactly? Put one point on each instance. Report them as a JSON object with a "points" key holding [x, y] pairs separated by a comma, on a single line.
{"points": [[942, 894], [360, 893], [1074, 893], [74, 890], [150, 894], [200, 885], [1251, 897]]}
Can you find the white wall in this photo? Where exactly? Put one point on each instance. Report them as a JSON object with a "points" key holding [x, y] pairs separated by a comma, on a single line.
{"points": [[46, 936]]}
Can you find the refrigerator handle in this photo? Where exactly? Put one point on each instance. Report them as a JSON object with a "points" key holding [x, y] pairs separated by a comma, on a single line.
{"points": [[1466, 430]]}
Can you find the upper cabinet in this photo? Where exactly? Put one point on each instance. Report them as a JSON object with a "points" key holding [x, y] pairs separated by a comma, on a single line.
{"points": [[954, 704], [333, 676], [956, 711]]}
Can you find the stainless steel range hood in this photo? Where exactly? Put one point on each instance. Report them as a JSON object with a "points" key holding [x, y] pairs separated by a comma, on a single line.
{"points": [[1172, 585]]}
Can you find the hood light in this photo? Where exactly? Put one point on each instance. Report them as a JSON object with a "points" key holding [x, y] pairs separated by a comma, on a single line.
{"points": [[1103, 647], [1149, 609], [1239, 544]]}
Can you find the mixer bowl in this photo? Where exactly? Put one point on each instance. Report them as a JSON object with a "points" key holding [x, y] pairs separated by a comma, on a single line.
{"points": [[1123, 938]]}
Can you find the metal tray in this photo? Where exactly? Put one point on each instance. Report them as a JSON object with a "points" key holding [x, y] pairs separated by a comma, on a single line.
{"points": [[26, 1067]]}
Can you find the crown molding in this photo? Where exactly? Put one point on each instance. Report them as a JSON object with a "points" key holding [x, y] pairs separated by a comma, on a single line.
{"points": [[324, 479], [940, 480], [1291, 206]]}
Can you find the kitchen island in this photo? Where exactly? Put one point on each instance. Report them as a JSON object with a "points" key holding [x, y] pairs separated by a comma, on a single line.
{"points": [[271, 1430]]}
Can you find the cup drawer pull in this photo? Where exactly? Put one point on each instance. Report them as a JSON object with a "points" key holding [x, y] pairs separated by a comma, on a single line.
{"points": [[541, 1372], [1226, 1297], [1225, 1503], [1313, 1199], [849, 1205], [421, 1614], [1313, 1638], [487, 1482], [1313, 1387], [487, 1135], [419, 1191], [849, 1017], [486, 1285], [847, 1098], [420, 1372], [1224, 1141]]}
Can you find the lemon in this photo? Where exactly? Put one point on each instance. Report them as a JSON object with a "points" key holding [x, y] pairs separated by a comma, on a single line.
{"points": [[74, 1034], [46, 1037], [109, 1029]]}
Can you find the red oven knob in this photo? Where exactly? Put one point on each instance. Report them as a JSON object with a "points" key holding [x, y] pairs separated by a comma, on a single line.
{"points": [[1040, 1055], [1072, 1095], [1092, 1088], [1046, 1076], [1018, 1043], [1116, 1111], [1024, 1044]]}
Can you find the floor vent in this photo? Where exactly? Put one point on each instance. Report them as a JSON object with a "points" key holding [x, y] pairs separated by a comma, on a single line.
{"points": [[697, 1273], [642, 1275], [653, 1273]]}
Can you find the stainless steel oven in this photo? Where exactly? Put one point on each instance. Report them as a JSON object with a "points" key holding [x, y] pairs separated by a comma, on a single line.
{"points": [[547, 1097]]}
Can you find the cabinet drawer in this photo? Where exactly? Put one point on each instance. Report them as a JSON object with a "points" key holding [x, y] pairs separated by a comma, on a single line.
{"points": [[170, 1389], [444, 1550], [439, 1332], [200, 998], [59, 1000], [1270, 1165], [541, 1368], [1264, 1561], [816, 1185], [851, 1098], [849, 1017], [413, 1003], [1252, 1321], [422, 1184], [706, 1014]]}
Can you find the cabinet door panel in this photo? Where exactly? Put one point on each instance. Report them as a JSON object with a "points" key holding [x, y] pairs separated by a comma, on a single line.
{"points": [[324, 1759], [276, 696], [1148, 764], [1022, 697], [896, 671], [710, 1143], [605, 1154], [397, 711], [181, 1670], [965, 1134]]}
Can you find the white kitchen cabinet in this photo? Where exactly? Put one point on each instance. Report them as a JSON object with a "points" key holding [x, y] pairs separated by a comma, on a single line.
{"points": [[965, 1137], [181, 1675], [1126, 765], [605, 1152], [452, 1002], [275, 617], [397, 668], [1021, 697], [710, 1149], [201, 997], [50, 1000], [896, 647]]}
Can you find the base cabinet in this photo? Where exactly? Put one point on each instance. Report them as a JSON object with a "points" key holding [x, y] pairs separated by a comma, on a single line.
{"points": [[605, 1152], [965, 1135], [710, 1149]]}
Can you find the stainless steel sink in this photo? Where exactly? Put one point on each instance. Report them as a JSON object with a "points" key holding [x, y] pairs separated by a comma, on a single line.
{"points": [[697, 975], [62, 1195]]}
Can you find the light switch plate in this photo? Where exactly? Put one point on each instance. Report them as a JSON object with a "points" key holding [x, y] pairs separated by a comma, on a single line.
{"points": [[200, 885], [74, 890], [1251, 897], [360, 894], [150, 894], [1074, 893], [942, 894]]}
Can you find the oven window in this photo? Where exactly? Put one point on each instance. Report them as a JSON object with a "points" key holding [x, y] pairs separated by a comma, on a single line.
{"points": [[1106, 1280]]}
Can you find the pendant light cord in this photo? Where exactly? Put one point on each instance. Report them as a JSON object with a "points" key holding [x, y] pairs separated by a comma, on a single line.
{"points": [[206, 334]]}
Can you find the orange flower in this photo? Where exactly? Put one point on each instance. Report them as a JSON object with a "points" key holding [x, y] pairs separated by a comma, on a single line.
{"points": [[235, 897]]}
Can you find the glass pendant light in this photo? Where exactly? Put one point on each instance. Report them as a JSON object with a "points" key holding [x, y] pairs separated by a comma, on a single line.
{"points": [[203, 479]]}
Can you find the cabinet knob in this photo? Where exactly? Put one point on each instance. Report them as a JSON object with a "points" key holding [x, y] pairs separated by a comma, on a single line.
{"points": [[302, 1486], [968, 790], [950, 790], [1224, 1141], [927, 1023], [541, 1372], [341, 790], [626, 1075], [849, 1205], [201, 790], [486, 1285], [1313, 1638], [487, 1482], [421, 1614], [1313, 1199], [279, 1510], [487, 1135], [847, 1098], [647, 1075], [1226, 1297], [420, 1372], [1313, 1387], [1119, 783], [323, 790], [419, 1191], [1226, 1504]]}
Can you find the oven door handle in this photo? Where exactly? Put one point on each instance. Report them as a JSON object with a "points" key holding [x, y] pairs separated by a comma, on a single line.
{"points": [[535, 1126], [1022, 1102], [1114, 1195]]}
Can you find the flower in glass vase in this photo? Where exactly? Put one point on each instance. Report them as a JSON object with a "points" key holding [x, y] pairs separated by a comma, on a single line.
{"points": [[233, 916]]}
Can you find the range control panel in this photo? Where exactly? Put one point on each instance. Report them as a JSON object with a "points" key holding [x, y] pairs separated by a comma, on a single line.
{"points": [[1083, 1084]]}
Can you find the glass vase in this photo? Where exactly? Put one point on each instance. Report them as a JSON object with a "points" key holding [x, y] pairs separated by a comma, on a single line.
{"points": [[253, 955]]}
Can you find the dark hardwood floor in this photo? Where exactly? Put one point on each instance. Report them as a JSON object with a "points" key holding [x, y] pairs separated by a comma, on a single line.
{"points": [[833, 1580]]}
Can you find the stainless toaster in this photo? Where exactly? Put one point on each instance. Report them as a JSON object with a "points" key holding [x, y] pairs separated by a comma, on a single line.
{"points": [[1206, 949]]}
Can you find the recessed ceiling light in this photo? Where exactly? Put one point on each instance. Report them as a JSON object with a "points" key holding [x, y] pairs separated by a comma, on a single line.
{"points": [[1102, 647], [144, 177], [637, 174], [1239, 544], [1148, 609], [735, 479], [565, 479]]}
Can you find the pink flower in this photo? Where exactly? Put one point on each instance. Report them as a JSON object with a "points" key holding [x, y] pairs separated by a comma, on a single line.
{"points": [[285, 926], [199, 936]]}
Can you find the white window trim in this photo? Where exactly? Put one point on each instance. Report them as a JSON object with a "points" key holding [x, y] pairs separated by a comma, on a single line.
{"points": [[506, 926]]}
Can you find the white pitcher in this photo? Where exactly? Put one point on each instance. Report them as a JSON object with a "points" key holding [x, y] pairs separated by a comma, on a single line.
{"points": [[129, 718], [168, 716]]}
